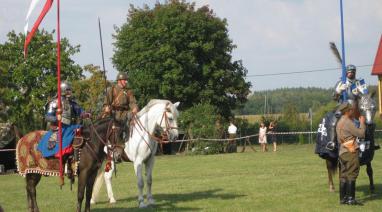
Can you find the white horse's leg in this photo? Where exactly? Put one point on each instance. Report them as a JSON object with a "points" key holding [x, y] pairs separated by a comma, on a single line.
{"points": [[97, 186], [149, 179], [108, 176], [138, 173]]}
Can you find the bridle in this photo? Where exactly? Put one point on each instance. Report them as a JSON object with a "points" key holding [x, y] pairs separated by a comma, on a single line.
{"points": [[111, 129], [165, 133]]}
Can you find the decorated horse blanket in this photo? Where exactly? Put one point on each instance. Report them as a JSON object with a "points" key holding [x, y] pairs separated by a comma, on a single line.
{"points": [[31, 160]]}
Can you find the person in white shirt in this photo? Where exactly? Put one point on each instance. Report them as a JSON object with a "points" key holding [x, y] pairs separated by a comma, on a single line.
{"points": [[232, 130]]}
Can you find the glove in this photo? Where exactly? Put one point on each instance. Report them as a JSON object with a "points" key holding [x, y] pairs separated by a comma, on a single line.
{"points": [[340, 87]]}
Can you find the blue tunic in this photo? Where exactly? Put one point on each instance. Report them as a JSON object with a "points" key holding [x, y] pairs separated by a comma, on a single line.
{"points": [[68, 132]]}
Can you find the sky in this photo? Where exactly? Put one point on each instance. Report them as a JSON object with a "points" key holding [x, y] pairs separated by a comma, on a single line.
{"points": [[272, 36]]}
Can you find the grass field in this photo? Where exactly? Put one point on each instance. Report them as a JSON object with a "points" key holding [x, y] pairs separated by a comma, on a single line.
{"points": [[292, 179]]}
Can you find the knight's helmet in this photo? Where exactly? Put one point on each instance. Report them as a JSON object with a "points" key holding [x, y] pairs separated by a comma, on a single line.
{"points": [[122, 76], [351, 68], [66, 88]]}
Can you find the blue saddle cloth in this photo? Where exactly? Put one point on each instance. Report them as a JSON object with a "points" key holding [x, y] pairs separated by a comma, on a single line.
{"points": [[68, 132]]}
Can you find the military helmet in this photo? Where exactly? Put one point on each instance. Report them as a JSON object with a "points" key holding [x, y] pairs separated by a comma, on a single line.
{"points": [[65, 87], [122, 76], [351, 68]]}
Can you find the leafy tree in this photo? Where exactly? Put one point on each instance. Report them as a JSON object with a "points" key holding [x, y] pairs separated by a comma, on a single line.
{"points": [[177, 52], [90, 92], [27, 83], [278, 98]]}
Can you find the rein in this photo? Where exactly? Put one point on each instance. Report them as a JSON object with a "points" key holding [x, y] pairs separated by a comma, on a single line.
{"points": [[160, 139], [110, 130]]}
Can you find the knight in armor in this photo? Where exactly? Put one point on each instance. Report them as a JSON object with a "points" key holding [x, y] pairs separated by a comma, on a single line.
{"points": [[71, 111], [347, 134], [70, 115], [121, 104], [353, 87]]}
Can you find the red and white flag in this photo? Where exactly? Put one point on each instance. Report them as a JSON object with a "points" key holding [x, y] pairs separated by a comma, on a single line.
{"points": [[44, 11]]}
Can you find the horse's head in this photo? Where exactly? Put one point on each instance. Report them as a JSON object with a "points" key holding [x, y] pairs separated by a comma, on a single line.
{"points": [[367, 107], [168, 121], [162, 115], [104, 135]]}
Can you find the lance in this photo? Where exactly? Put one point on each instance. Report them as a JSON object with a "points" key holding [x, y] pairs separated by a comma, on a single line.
{"points": [[104, 75], [59, 110], [103, 59], [343, 78]]}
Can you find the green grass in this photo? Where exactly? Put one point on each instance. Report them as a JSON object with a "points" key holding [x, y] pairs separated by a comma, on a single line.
{"points": [[292, 179]]}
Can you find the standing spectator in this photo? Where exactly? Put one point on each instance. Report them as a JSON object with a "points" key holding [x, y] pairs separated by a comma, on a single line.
{"points": [[263, 137], [232, 129], [271, 132]]}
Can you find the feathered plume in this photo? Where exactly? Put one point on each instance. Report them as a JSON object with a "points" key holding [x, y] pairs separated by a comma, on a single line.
{"points": [[334, 49]]}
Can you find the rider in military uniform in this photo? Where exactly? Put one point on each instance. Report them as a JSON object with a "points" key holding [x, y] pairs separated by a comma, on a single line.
{"points": [[347, 133], [120, 103]]}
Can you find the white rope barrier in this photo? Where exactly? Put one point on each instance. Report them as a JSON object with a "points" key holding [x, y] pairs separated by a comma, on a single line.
{"points": [[244, 137], [250, 136], [225, 139]]}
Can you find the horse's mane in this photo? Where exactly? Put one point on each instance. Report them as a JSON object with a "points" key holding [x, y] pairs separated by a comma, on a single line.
{"points": [[151, 104], [102, 121]]}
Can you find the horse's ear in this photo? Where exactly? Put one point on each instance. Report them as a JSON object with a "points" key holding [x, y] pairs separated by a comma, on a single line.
{"points": [[177, 104]]}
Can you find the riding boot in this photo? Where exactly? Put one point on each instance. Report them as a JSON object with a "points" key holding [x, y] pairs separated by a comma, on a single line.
{"points": [[343, 192], [351, 193]]}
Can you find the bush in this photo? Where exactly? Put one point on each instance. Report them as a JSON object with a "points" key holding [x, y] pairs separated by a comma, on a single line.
{"points": [[202, 121]]}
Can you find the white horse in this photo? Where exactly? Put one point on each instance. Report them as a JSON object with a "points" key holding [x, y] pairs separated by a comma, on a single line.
{"points": [[142, 145]]}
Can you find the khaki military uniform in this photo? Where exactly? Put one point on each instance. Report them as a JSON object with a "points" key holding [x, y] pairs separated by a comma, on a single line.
{"points": [[122, 101], [347, 131]]}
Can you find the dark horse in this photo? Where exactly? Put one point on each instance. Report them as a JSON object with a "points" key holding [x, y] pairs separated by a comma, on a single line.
{"points": [[327, 146], [95, 138]]}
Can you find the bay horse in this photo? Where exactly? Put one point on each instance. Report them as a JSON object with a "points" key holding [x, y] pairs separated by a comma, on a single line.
{"points": [[95, 137], [327, 146], [142, 145]]}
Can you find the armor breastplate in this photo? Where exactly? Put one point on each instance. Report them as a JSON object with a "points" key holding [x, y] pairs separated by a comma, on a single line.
{"points": [[356, 88], [66, 112]]}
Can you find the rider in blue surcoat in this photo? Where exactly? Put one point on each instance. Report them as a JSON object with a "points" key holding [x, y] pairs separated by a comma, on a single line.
{"points": [[353, 87], [71, 112]]}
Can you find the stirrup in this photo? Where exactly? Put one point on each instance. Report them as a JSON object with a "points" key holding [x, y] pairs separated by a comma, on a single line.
{"points": [[330, 145]]}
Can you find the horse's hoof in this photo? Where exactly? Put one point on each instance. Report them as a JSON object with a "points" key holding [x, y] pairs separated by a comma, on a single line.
{"points": [[112, 200], [372, 190], [331, 189], [92, 202], [142, 205], [151, 201]]}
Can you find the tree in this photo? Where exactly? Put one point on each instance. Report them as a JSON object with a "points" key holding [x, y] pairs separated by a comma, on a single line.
{"points": [[177, 52], [27, 83], [90, 92]]}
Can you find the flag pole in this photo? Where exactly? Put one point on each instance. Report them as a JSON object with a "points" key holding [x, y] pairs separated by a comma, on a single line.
{"points": [[343, 78], [59, 110]]}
